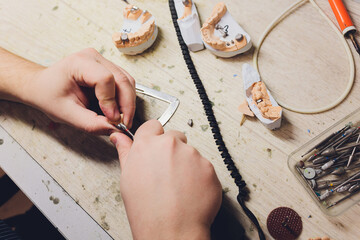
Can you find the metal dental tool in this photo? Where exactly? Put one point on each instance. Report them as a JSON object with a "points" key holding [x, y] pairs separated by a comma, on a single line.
{"points": [[332, 150], [312, 190], [346, 197], [173, 101], [165, 117], [330, 163], [352, 153], [327, 193], [342, 16], [122, 127], [336, 141], [328, 139]]}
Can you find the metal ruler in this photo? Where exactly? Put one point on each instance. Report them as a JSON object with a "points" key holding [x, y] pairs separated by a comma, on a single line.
{"points": [[72, 221]]}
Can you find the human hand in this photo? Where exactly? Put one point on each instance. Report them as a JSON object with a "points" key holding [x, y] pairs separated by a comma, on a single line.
{"points": [[65, 90], [169, 190]]}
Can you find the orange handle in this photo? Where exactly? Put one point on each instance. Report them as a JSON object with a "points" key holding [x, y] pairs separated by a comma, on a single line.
{"points": [[342, 16]]}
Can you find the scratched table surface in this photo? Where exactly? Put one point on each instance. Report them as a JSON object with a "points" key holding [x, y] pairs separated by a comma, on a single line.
{"points": [[302, 61]]}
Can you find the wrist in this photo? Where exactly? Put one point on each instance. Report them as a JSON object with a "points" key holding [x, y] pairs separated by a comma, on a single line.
{"points": [[27, 91], [15, 73]]}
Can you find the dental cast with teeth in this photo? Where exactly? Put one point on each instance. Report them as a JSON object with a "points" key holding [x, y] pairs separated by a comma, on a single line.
{"points": [[259, 99], [222, 35], [139, 31]]}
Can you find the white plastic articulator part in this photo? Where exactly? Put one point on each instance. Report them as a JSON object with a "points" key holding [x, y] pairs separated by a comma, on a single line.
{"points": [[189, 24]]}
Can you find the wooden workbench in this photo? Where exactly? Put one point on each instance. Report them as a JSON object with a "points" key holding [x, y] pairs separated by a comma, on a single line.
{"points": [[302, 61]]}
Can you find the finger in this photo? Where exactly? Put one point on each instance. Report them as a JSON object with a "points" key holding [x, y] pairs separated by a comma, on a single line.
{"points": [[127, 101], [87, 120], [179, 135], [123, 145], [150, 128], [90, 73], [131, 79], [125, 89]]}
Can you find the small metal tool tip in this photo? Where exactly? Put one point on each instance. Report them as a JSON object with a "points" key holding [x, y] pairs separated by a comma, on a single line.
{"points": [[185, 2], [122, 127], [353, 40], [330, 206]]}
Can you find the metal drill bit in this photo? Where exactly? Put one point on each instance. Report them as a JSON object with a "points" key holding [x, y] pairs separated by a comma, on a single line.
{"points": [[354, 42], [335, 141], [352, 153], [354, 187], [331, 162], [340, 162], [122, 127], [344, 198], [342, 138], [327, 193], [332, 151], [328, 139], [346, 25]]}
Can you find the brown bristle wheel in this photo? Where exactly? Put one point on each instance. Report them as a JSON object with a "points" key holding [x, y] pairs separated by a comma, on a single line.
{"points": [[284, 224]]}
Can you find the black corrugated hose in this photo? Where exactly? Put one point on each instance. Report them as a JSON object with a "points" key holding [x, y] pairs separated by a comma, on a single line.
{"points": [[234, 172]]}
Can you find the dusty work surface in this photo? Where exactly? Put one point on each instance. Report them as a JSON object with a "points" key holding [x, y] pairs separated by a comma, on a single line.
{"points": [[302, 60]]}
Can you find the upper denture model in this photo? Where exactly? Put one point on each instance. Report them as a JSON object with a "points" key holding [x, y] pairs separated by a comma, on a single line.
{"points": [[222, 35], [189, 24], [138, 33]]}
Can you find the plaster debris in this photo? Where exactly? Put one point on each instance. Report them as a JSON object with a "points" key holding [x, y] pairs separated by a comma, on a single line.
{"points": [[204, 127], [190, 123]]}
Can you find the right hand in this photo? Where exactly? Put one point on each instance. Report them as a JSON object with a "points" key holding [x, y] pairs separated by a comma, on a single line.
{"points": [[169, 190]]}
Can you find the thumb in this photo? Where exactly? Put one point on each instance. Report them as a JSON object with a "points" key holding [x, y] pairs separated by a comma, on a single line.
{"points": [[123, 145]]}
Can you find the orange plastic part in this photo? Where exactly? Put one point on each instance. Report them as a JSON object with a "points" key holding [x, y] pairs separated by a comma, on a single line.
{"points": [[341, 14]]}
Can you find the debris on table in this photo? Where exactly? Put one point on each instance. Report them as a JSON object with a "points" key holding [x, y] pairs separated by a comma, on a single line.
{"points": [[244, 109], [190, 123], [243, 119]]}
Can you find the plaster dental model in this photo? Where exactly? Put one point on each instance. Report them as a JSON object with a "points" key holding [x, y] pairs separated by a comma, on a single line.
{"points": [[260, 101], [222, 35], [189, 24], [138, 33]]}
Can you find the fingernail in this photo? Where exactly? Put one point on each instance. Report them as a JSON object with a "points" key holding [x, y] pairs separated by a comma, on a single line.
{"points": [[110, 110], [113, 139], [117, 115]]}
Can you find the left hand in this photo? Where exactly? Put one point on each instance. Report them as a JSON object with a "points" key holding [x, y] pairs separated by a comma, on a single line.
{"points": [[64, 90]]}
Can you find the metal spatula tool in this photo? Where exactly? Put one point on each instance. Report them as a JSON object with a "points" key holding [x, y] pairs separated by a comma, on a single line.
{"points": [[173, 101], [166, 115]]}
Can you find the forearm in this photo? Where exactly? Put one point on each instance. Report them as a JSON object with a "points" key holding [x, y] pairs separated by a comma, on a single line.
{"points": [[15, 73], [166, 232]]}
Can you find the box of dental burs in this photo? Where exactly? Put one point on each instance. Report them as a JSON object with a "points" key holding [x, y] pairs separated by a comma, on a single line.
{"points": [[328, 166]]}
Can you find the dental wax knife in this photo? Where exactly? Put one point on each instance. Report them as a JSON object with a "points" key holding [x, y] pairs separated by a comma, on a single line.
{"points": [[342, 16]]}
